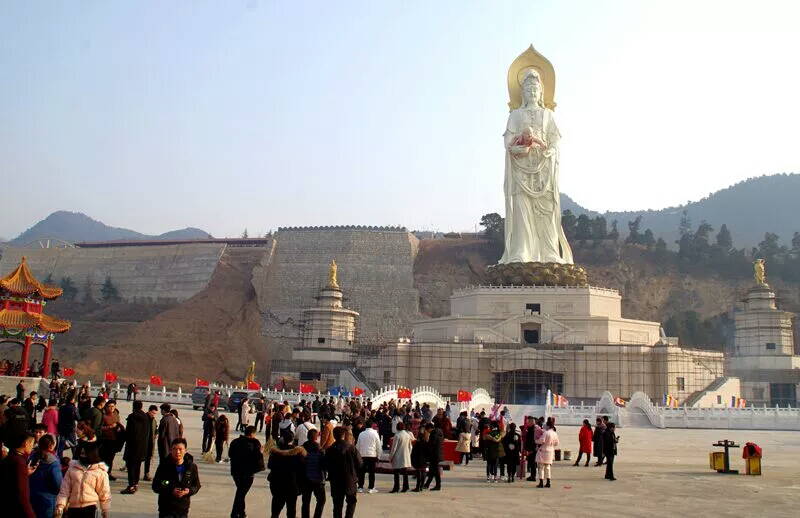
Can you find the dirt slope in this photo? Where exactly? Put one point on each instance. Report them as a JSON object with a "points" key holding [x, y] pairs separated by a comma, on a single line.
{"points": [[214, 335]]}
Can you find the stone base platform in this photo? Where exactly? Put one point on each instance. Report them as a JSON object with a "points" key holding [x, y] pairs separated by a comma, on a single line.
{"points": [[537, 274]]}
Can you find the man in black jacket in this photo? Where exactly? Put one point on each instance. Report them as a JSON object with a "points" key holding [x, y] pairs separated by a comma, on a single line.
{"points": [[17, 423], [176, 481], [343, 463], [312, 479], [610, 449], [210, 415], [435, 442], [529, 443], [284, 467], [246, 461], [138, 434]]}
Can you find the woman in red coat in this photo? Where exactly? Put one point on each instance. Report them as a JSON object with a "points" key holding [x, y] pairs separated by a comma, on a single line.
{"points": [[585, 439]]}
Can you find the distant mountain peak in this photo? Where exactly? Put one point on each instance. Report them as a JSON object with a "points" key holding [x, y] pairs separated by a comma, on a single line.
{"points": [[76, 227]]}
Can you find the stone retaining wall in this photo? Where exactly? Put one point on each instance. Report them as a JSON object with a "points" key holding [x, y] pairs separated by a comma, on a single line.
{"points": [[146, 273], [375, 273]]}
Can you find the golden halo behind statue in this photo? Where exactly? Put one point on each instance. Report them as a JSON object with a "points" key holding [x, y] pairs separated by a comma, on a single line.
{"points": [[525, 61]]}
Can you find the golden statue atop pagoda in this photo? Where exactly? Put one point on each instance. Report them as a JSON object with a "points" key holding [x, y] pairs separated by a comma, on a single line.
{"points": [[333, 282], [760, 272]]}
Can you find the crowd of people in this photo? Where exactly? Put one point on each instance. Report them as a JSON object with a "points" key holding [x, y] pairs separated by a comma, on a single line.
{"points": [[36, 368], [58, 452]]}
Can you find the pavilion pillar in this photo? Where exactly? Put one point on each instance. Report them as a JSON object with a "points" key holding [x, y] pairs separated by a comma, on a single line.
{"points": [[48, 353], [26, 352]]}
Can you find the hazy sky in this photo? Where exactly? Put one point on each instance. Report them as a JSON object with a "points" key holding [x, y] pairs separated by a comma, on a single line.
{"points": [[259, 114]]}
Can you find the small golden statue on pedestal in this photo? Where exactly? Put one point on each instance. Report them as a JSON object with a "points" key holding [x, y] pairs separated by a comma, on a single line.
{"points": [[759, 272], [332, 272]]}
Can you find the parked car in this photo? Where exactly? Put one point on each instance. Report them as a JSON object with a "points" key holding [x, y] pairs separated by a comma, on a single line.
{"points": [[199, 397], [235, 400]]}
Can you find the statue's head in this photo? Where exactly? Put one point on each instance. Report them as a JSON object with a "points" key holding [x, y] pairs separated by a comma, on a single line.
{"points": [[532, 88]]}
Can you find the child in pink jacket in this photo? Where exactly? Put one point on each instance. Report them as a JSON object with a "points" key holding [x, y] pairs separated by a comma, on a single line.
{"points": [[85, 487]]}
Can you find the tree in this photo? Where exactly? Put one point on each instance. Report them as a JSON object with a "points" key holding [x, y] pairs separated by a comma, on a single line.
{"points": [[769, 248], [796, 243], [648, 239], [599, 228], [493, 227], [583, 228], [109, 292], [685, 226], [633, 231], [48, 280], [70, 291], [244, 234], [614, 234], [724, 239], [569, 223]]}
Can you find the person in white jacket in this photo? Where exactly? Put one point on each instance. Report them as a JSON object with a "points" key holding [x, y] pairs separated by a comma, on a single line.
{"points": [[400, 454], [369, 447], [546, 453], [246, 411]]}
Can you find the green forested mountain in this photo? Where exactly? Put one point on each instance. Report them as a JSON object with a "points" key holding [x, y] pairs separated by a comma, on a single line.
{"points": [[749, 209]]}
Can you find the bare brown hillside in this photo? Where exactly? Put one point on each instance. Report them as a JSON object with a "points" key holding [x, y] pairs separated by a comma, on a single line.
{"points": [[213, 335]]}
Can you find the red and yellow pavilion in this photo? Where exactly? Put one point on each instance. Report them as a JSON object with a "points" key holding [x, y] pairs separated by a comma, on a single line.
{"points": [[22, 317]]}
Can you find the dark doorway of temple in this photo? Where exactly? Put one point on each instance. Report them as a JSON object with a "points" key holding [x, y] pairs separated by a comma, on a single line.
{"points": [[526, 386]]}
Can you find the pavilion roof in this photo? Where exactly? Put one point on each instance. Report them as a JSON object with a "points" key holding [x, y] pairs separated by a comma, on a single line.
{"points": [[22, 282], [16, 319]]}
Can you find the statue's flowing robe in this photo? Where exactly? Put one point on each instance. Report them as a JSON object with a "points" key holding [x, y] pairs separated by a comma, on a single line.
{"points": [[533, 231]]}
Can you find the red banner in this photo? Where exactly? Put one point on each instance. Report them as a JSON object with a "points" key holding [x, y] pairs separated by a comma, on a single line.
{"points": [[358, 391], [111, 376], [403, 393], [200, 382], [252, 385], [464, 395], [156, 380], [306, 388], [68, 372]]}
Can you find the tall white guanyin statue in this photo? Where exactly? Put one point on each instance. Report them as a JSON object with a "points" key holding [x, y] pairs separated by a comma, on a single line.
{"points": [[533, 232]]}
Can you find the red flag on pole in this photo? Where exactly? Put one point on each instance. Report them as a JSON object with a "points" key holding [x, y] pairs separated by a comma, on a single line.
{"points": [[464, 395], [68, 372], [358, 391], [111, 376], [306, 388], [252, 385], [156, 380], [200, 382], [403, 393]]}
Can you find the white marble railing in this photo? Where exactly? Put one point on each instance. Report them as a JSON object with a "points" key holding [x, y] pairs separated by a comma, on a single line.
{"points": [[423, 394], [599, 289]]}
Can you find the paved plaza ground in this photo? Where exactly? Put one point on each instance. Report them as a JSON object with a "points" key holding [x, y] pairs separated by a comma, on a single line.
{"points": [[660, 472]]}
